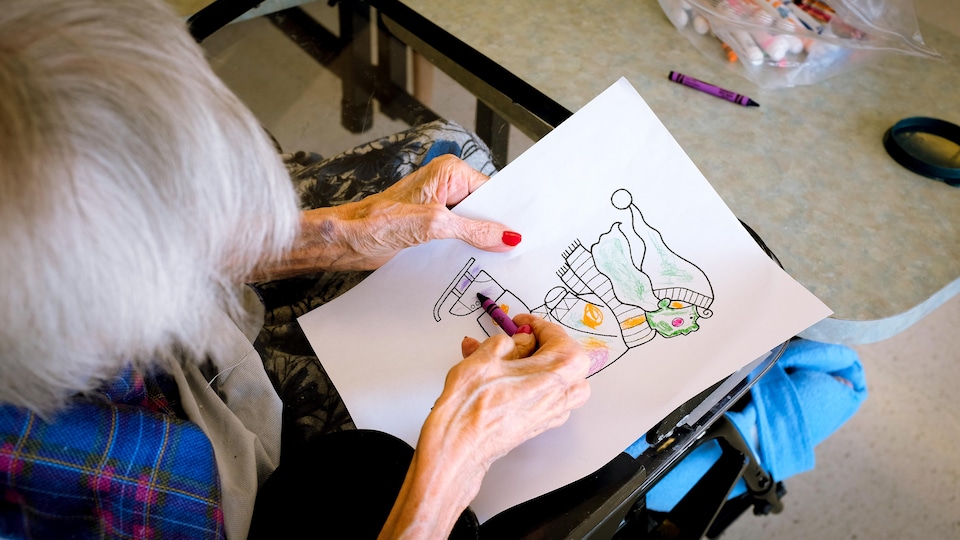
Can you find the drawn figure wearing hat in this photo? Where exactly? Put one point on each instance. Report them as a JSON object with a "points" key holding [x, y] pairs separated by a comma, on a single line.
{"points": [[621, 293]]}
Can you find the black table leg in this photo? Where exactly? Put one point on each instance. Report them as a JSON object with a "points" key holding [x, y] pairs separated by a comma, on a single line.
{"points": [[495, 131]]}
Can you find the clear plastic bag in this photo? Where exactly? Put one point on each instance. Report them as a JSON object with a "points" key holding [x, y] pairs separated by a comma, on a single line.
{"points": [[781, 43]]}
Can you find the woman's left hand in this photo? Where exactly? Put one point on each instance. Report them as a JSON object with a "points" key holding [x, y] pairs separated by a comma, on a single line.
{"points": [[366, 234]]}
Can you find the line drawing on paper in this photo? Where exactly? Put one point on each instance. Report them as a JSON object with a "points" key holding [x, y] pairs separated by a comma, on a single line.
{"points": [[619, 293]]}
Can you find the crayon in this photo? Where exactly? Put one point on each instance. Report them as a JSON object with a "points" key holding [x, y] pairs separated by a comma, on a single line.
{"points": [[678, 15], [775, 46], [795, 43], [806, 19], [739, 99], [749, 47], [700, 24], [502, 319], [777, 8], [817, 9], [816, 14], [743, 9], [728, 50]]}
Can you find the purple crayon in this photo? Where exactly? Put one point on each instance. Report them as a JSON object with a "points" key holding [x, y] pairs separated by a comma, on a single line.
{"points": [[739, 99], [502, 319]]}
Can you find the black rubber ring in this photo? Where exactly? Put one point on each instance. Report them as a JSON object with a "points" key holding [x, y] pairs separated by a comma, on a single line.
{"points": [[922, 124]]}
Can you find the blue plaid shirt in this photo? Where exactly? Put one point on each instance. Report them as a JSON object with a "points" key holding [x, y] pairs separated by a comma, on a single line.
{"points": [[122, 464]]}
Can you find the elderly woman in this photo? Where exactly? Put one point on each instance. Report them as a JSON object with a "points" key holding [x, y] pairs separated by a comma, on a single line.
{"points": [[137, 195]]}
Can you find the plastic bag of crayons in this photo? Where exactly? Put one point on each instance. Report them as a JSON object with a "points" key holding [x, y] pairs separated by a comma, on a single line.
{"points": [[781, 43]]}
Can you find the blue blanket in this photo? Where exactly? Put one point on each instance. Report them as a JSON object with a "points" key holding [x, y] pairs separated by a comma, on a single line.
{"points": [[807, 395]]}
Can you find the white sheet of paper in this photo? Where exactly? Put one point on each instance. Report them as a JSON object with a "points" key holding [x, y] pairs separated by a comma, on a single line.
{"points": [[610, 163]]}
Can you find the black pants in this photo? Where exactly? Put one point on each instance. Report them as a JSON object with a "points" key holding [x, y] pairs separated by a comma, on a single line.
{"points": [[344, 482]]}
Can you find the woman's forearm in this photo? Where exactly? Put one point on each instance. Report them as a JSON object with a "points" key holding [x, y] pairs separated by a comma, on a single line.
{"points": [[429, 504], [442, 480], [322, 244]]}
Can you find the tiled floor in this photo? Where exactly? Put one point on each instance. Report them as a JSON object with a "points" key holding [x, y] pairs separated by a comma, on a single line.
{"points": [[892, 472]]}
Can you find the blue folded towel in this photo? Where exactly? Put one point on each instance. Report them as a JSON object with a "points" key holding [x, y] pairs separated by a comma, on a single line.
{"points": [[807, 395]]}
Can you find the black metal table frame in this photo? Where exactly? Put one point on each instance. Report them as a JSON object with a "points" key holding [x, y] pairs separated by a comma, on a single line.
{"points": [[502, 98]]}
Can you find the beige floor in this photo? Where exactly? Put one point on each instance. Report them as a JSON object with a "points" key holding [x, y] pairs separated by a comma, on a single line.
{"points": [[892, 472]]}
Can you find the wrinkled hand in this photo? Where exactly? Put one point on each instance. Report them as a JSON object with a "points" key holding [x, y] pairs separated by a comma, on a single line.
{"points": [[505, 392], [413, 211], [366, 234]]}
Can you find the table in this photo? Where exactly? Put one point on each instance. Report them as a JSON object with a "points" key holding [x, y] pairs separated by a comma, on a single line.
{"points": [[807, 170]]}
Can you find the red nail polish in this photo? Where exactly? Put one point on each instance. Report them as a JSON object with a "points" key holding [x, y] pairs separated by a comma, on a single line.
{"points": [[511, 238], [524, 329]]}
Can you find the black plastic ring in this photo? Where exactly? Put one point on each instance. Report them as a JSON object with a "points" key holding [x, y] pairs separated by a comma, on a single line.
{"points": [[932, 126]]}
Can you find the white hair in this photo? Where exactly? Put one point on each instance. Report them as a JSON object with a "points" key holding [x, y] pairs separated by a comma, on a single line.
{"points": [[136, 192]]}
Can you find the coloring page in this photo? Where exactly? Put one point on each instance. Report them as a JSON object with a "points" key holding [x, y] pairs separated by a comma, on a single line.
{"points": [[627, 288], [625, 244]]}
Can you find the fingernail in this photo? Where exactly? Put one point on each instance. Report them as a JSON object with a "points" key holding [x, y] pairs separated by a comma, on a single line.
{"points": [[525, 329], [511, 238]]}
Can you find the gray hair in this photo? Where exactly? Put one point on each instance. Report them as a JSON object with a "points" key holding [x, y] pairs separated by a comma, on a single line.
{"points": [[136, 192]]}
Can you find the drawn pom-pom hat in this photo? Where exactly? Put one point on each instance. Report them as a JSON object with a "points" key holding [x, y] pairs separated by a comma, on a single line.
{"points": [[672, 276]]}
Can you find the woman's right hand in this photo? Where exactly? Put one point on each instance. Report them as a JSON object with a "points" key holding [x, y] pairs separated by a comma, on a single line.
{"points": [[505, 392]]}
